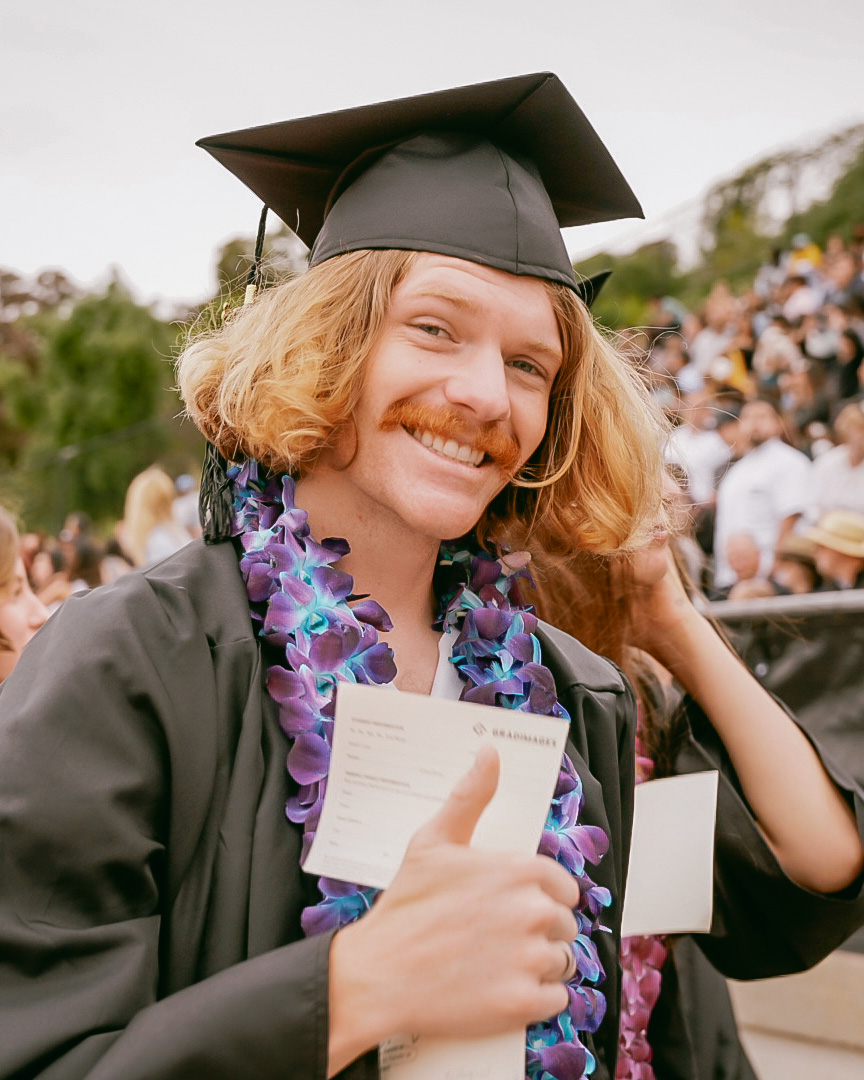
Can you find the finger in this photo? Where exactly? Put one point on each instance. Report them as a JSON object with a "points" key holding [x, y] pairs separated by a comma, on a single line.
{"points": [[551, 999], [556, 881], [456, 820], [563, 926], [561, 964]]}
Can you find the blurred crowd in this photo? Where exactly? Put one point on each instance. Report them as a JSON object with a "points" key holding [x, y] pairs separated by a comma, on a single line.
{"points": [[38, 572], [766, 394]]}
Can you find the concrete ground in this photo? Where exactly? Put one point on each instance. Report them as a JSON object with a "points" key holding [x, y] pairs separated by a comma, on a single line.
{"points": [[806, 1026]]}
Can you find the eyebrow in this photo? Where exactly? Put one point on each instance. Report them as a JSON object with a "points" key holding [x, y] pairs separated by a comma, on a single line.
{"points": [[468, 306], [456, 299]]}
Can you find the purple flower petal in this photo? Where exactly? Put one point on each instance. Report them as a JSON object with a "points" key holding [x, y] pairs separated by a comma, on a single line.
{"points": [[308, 758], [564, 1061], [490, 622], [368, 611], [377, 663], [330, 649]]}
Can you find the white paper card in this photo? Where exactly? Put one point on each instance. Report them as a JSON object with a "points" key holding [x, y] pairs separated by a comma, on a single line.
{"points": [[395, 759], [670, 883], [408, 1057]]}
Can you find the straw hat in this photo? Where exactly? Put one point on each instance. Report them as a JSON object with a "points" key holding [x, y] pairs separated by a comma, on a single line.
{"points": [[797, 547], [840, 530]]}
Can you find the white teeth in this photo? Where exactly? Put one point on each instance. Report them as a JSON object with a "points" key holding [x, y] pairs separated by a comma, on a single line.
{"points": [[449, 448]]}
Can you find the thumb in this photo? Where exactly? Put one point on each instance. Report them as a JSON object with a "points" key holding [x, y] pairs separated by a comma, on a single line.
{"points": [[456, 820]]}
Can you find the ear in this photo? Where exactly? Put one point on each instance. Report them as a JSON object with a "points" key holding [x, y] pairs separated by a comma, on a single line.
{"points": [[342, 446]]}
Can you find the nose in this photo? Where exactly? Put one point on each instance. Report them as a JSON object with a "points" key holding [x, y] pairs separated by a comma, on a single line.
{"points": [[479, 384]]}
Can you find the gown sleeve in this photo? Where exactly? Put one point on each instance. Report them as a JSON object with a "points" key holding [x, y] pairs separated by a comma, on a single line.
{"points": [[764, 923], [89, 725]]}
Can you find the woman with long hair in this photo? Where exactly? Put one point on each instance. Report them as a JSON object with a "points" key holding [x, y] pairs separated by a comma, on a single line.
{"points": [[693, 698], [21, 613]]}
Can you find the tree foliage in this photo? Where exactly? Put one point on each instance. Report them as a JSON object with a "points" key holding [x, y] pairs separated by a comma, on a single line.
{"points": [[740, 223], [89, 403]]}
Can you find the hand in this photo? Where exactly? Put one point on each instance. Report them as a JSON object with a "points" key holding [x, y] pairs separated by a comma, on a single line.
{"points": [[464, 943], [658, 605]]}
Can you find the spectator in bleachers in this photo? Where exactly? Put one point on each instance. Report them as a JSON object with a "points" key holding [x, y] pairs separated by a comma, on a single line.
{"points": [[803, 399], [794, 565], [764, 493], [697, 448], [839, 548], [718, 329], [850, 352], [838, 474]]}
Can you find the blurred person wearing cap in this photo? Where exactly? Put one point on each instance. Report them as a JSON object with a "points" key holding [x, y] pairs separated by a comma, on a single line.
{"points": [[837, 475], [838, 541], [763, 493], [434, 379], [795, 566]]}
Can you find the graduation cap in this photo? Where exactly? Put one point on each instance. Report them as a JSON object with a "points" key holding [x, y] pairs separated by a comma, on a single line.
{"points": [[488, 173]]}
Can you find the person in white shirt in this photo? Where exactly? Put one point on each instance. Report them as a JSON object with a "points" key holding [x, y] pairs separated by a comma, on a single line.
{"points": [[764, 493], [838, 474], [697, 447]]}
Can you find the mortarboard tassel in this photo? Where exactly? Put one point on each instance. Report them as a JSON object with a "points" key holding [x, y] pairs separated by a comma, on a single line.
{"points": [[253, 281], [214, 499]]}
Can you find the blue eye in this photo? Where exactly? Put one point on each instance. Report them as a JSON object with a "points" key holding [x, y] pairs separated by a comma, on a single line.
{"points": [[431, 329], [526, 365]]}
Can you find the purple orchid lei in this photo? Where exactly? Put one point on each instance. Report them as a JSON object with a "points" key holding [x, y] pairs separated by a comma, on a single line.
{"points": [[328, 634]]}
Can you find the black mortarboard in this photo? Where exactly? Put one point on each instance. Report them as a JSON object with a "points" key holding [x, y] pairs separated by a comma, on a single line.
{"points": [[488, 173]]}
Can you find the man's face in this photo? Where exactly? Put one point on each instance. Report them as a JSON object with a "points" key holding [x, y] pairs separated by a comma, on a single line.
{"points": [[743, 556], [455, 398], [759, 423], [829, 563]]}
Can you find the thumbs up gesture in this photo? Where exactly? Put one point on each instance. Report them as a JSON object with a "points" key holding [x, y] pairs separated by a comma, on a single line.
{"points": [[464, 943]]}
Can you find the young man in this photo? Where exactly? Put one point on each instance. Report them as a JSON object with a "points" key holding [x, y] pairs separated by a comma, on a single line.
{"points": [[434, 377], [763, 493]]}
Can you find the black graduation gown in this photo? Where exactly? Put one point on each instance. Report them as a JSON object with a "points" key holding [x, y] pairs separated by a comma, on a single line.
{"points": [[763, 924], [150, 893]]}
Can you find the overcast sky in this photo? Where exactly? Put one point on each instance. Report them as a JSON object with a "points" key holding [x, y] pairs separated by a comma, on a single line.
{"points": [[101, 103]]}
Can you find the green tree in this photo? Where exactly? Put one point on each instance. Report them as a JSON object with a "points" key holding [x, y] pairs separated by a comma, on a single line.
{"points": [[95, 408], [649, 272]]}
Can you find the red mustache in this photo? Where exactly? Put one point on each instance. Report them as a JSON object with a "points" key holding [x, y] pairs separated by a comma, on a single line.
{"points": [[450, 424]]}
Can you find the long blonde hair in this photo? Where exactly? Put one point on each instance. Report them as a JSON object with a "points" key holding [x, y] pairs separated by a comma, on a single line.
{"points": [[9, 555], [283, 377], [149, 498]]}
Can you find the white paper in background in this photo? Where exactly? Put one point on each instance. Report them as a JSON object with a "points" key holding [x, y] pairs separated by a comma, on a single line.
{"points": [[670, 883], [395, 759]]}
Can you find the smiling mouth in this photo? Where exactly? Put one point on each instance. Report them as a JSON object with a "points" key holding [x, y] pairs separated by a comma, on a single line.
{"points": [[449, 448]]}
